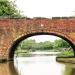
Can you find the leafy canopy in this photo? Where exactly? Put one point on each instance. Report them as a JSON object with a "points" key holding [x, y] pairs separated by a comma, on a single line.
{"points": [[8, 9]]}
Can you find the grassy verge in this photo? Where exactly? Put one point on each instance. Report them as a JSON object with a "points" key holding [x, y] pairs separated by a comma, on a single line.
{"points": [[66, 53], [66, 57], [23, 53]]}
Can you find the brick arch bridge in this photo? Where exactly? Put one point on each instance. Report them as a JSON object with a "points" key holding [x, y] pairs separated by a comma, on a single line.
{"points": [[13, 31]]}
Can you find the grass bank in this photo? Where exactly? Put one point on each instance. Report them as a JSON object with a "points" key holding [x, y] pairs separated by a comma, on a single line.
{"points": [[66, 59]]}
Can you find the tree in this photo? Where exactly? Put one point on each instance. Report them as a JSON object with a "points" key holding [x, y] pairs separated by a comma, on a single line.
{"points": [[60, 43], [27, 44], [48, 45], [8, 9]]}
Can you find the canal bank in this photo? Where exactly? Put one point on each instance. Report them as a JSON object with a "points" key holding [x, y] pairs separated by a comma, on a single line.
{"points": [[66, 59]]}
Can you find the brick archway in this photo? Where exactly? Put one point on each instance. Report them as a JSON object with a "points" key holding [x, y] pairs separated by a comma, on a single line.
{"points": [[13, 29], [16, 42]]}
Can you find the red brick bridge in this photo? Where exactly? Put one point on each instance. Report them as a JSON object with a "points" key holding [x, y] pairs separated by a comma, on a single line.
{"points": [[14, 30]]}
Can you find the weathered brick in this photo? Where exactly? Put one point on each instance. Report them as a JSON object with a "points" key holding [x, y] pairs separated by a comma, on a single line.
{"points": [[13, 29]]}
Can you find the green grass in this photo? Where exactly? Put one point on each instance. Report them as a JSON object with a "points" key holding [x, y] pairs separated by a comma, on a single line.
{"points": [[66, 53], [23, 53], [66, 57]]}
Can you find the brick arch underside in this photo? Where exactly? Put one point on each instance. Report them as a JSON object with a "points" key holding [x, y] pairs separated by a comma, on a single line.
{"points": [[23, 37]]}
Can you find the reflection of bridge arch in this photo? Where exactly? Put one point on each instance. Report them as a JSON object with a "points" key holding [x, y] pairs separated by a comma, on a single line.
{"points": [[12, 31], [16, 42]]}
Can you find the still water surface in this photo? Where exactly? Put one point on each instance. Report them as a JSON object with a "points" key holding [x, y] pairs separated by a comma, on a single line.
{"points": [[37, 65]]}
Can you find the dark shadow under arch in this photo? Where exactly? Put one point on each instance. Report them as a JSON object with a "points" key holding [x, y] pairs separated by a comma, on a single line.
{"points": [[16, 43]]}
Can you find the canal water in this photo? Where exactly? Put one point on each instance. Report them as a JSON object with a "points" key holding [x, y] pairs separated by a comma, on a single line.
{"points": [[37, 65]]}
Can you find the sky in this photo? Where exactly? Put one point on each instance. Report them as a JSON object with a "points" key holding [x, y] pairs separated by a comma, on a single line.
{"points": [[42, 38], [48, 9]]}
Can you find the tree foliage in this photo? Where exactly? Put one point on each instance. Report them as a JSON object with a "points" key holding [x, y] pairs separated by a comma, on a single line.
{"points": [[61, 44], [47, 45], [8, 9], [28, 46]]}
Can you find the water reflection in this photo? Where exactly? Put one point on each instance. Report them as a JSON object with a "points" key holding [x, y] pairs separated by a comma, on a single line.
{"points": [[8, 69], [69, 69], [43, 65], [38, 65]]}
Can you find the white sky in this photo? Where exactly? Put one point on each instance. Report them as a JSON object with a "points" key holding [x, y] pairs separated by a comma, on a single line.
{"points": [[48, 9], [42, 38]]}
